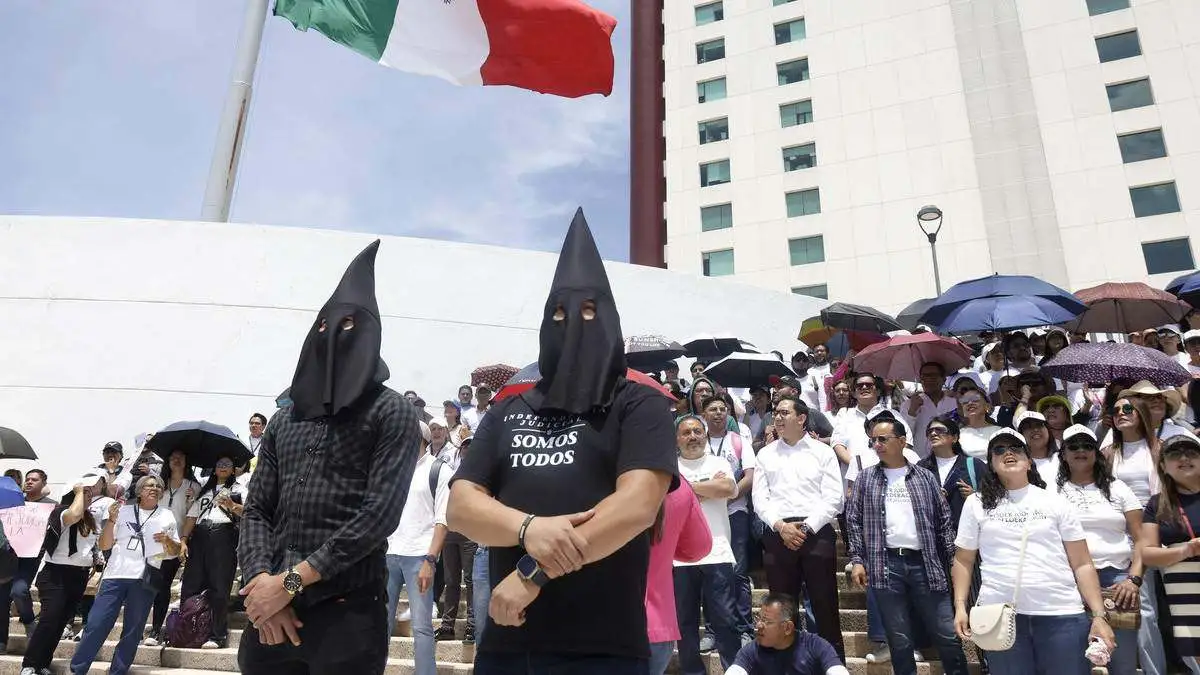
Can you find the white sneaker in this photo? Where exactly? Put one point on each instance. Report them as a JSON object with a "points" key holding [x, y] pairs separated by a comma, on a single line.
{"points": [[28, 671], [918, 656], [406, 615], [210, 645], [150, 641], [881, 655]]}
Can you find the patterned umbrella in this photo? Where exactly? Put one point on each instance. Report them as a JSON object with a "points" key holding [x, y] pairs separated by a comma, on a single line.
{"points": [[493, 376], [1124, 308], [651, 352], [901, 357], [527, 377], [14, 446], [814, 332], [1108, 361]]}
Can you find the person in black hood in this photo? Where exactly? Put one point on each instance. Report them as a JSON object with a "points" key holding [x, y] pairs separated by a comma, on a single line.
{"points": [[343, 453], [563, 483]]}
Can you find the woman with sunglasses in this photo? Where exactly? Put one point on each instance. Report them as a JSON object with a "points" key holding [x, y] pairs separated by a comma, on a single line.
{"points": [[1042, 447], [1170, 520], [1022, 530], [1111, 516], [211, 537], [958, 474], [977, 426]]}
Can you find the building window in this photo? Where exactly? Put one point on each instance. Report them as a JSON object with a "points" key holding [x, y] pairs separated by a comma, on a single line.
{"points": [[792, 71], [1130, 95], [710, 13], [803, 203], [792, 114], [1119, 46], [711, 90], [789, 31], [1174, 255], [1142, 146], [1154, 200], [1105, 6], [714, 173], [807, 250], [714, 130], [776, 3], [800, 157], [717, 217], [818, 291], [718, 263], [713, 50]]}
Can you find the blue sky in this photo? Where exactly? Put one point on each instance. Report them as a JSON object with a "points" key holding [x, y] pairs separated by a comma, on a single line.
{"points": [[111, 109]]}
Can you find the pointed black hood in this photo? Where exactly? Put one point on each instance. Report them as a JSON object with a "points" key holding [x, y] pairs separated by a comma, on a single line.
{"points": [[340, 359], [581, 360]]}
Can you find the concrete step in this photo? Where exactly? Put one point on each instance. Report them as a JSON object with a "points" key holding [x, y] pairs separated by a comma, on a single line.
{"points": [[11, 665]]}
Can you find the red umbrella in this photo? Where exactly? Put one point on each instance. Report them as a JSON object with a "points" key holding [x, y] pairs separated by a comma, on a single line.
{"points": [[529, 376], [1128, 307], [493, 376], [901, 357]]}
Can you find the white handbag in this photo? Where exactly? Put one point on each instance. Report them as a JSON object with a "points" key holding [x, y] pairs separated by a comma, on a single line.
{"points": [[994, 627]]}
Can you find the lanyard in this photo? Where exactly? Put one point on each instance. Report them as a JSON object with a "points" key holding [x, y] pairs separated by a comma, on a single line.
{"points": [[1187, 523]]}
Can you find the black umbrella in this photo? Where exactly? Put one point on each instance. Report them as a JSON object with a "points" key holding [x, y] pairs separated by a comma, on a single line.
{"points": [[713, 347], [910, 317], [648, 353], [14, 446], [858, 317], [742, 369], [203, 443]]}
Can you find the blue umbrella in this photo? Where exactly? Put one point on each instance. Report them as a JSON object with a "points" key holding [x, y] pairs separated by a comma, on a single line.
{"points": [[1001, 302], [1186, 287], [10, 493]]}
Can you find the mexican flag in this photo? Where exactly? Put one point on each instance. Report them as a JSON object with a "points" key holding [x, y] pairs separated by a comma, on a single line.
{"points": [[560, 47]]}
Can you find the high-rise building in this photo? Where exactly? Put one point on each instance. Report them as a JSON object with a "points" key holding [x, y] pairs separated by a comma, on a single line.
{"points": [[1059, 138]]}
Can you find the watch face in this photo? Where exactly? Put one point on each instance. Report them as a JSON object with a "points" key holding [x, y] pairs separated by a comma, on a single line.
{"points": [[527, 566], [292, 583]]}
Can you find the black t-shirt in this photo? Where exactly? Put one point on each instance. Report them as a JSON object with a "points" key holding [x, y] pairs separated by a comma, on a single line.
{"points": [[1174, 532], [551, 464]]}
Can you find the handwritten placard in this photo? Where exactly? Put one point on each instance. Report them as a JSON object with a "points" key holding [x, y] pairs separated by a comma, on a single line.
{"points": [[25, 527]]}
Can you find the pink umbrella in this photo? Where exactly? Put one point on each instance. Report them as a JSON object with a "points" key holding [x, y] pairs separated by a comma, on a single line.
{"points": [[901, 357]]}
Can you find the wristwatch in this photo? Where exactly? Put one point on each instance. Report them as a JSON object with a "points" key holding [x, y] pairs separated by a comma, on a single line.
{"points": [[431, 559], [529, 570], [1137, 581], [292, 583]]}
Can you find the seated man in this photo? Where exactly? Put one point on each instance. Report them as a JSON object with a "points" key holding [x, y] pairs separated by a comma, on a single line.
{"points": [[782, 650]]}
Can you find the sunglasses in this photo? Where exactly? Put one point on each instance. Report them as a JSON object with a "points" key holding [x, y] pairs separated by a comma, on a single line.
{"points": [[864, 385], [1001, 450], [1081, 447], [933, 432], [1181, 453], [880, 440], [971, 399], [223, 465], [1126, 409]]}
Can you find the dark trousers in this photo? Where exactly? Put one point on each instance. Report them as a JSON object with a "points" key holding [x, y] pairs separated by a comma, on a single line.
{"points": [[739, 540], [808, 572], [16, 591], [909, 598], [340, 636], [170, 567], [558, 664], [60, 588], [716, 585], [212, 565], [458, 560]]}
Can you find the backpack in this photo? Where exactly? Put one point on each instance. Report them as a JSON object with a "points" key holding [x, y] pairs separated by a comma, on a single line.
{"points": [[190, 626]]}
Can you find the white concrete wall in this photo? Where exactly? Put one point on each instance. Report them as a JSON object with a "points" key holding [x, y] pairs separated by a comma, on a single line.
{"points": [[115, 327]]}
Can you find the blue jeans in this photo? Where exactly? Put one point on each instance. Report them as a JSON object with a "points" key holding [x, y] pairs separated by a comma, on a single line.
{"points": [[110, 598], [739, 541], [1150, 644], [402, 571], [529, 663], [875, 632], [1125, 657], [660, 656], [908, 587], [714, 584], [1046, 645], [483, 591]]}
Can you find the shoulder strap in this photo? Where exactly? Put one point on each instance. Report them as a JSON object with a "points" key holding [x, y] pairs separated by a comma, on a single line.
{"points": [[971, 472], [1021, 559], [434, 471]]}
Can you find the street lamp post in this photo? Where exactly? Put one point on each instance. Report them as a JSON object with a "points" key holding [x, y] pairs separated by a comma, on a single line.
{"points": [[929, 218]]}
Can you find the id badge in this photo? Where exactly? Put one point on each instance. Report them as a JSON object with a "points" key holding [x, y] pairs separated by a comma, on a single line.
{"points": [[135, 544]]}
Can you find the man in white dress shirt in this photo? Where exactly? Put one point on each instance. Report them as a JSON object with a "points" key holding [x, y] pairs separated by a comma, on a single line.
{"points": [[930, 402], [798, 494]]}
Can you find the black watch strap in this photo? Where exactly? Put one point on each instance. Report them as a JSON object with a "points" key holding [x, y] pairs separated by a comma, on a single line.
{"points": [[1137, 581]]}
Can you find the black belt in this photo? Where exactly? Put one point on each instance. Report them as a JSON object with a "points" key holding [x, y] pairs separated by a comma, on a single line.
{"points": [[795, 519], [905, 552]]}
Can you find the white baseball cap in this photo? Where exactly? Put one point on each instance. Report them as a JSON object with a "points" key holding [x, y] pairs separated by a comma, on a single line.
{"points": [[1078, 430]]}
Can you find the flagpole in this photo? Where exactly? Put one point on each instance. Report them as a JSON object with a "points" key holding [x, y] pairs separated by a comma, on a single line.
{"points": [[222, 175]]}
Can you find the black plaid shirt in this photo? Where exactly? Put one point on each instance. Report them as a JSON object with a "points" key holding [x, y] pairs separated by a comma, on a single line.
{"points": [[330, 491]]}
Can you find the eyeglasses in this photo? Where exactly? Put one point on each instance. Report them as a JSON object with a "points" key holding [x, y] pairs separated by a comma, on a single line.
{"points": [[1126, 409], [880, 440], [224, 464], [1080, 447], [971, 399], [932, 432], [1186, 452], [864, 385], [758, 618], [1001, 450]]}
